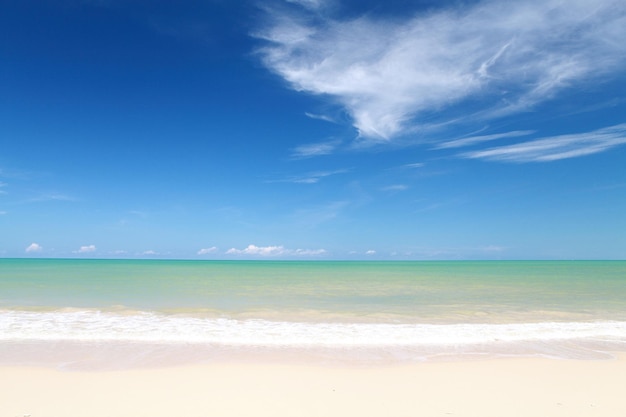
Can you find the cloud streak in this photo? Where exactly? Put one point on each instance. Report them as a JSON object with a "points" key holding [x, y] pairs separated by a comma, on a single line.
{"points": [[502, 57], [473, 140], [312, 177], [556, 147], [313, 149]]}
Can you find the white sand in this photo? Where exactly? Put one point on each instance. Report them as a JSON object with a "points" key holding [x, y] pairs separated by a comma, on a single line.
{"points": [[498, 388]]}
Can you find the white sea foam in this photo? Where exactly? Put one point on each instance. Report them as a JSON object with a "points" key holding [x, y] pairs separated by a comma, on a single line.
{"points": [[97, 326]]}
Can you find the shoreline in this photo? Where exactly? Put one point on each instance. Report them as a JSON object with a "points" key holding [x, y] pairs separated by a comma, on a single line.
{"points": [[491, 387], [114, 356]]}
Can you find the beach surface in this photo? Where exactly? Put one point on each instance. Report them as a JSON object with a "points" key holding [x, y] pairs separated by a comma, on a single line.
{"points": [[118, 338], [481, 388]]}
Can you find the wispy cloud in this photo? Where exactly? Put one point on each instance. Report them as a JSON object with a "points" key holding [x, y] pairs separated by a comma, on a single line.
{"points": [[320, 117], [502, 56], [556, 147], [274, 251], [396, 187], [309, 4], [414, 165], [53, 196], [312, 177], [314, 149], [473, 140]]}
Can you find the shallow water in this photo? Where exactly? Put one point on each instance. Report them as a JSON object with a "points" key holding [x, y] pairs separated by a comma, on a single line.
{"points": [[355, 311]]}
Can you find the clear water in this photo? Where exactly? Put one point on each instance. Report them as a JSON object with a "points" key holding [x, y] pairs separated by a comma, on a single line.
{"points": [[354, 311]]}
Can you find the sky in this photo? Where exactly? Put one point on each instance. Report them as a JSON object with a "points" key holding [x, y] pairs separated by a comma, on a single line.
{"points": [[313, 129]]}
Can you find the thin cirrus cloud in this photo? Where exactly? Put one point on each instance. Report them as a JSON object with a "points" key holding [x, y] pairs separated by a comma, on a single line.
{"points": [[313, 149], [312, 177], [504, 57], [555, 147], [320, 117], [396, 187], [274, 251], [473, 140]]}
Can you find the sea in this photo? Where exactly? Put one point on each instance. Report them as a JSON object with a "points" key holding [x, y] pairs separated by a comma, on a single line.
{"points": [[118, 314]]}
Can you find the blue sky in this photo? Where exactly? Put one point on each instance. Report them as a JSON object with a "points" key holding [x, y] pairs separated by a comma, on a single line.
{"points": [[313, 129]]}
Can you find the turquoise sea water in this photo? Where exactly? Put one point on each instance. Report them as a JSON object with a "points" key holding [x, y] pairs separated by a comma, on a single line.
{"points": [[151, 311]]}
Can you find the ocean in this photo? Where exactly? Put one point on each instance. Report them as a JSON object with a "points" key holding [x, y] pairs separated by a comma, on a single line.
{"points": [[124, 313]]}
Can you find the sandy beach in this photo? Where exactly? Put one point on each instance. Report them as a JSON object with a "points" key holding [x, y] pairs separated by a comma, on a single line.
{"points": [[481, 388]]}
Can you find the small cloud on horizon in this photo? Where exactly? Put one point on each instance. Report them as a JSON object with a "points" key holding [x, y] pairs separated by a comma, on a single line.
{"points": [[86, 249], [34, 247], [206, 251], [275, 251]]}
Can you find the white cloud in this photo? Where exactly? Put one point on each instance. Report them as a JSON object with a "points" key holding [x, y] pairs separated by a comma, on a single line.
{"points": [[493, 248], [149, 252], [458, 143], [274, 251], [556, 147], [320, 117], [396, 187], [86, 249], [370, 252], [414, 165], [258, 250], [309, 252], [206, 251], [503, 56], [309, 4], [34, 247], [313, 149], [313, 177]]}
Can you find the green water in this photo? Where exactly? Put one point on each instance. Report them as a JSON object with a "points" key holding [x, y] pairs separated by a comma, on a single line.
{"points": [[420, 292]]}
